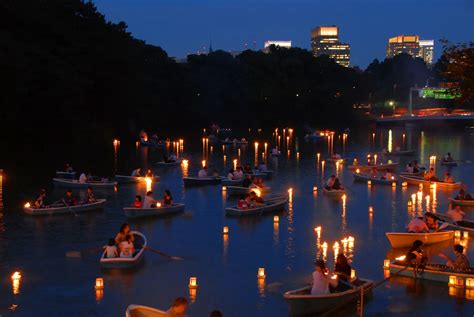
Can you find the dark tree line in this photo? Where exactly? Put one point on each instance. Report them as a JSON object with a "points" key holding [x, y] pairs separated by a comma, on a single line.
{"points": [[67, 74]]}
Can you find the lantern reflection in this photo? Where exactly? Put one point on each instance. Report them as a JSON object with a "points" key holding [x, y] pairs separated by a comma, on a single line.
{"points": [[16, 281]]}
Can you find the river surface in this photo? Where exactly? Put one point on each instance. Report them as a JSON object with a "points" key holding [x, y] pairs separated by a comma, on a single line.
{"points": [[226, 266]]}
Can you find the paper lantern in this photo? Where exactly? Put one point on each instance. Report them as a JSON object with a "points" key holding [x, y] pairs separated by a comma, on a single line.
{"points": [[465, 235], [225, 230], [457, 234], [99, 283], [261, 273], [386, 264], [276, 219], [193, 282], [456, 281], [369, 182]]}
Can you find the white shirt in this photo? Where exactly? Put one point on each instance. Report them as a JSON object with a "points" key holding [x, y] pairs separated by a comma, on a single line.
{"points": [[455, 215], [320, 284], [238, 174], [202, 173], [417, 225], [83, 178], [330, 182], [126, 249], [148, 202], [110, 251]]}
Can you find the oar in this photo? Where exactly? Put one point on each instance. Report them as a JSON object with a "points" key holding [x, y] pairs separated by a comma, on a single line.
{"points": [[80, 253], [444, 225], [162, 253]]}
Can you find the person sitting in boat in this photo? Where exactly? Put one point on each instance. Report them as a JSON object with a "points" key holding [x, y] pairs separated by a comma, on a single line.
{"points": [[431, 222], [122, 234], [448, 178], [256, 199], [430, 175], [275, 151], [330, 182], [337, 185], [247, 181], [138, 202], [387, 175], [456, 214], [342, 269], [247, 169], [242, 204], [39, 202], [215, 173], [167, 198], [172, 157], [409, 169], [126, 247], [460, 261], [262, 167], [137, 172], [374, 173], [83, 178], [110, 249], [415, 256], [149, 201], [448, 157], [230, 175], [417, 225], [202, 172], [416, 167], [178, 308], [321, 280], [68, 168], [462, 195], [149, 173], [90, 196], [239, 173], [69, 200]]}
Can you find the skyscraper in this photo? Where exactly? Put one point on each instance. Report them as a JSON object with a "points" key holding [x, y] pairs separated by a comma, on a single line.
{"points": [[325, 41], [412, 45]]}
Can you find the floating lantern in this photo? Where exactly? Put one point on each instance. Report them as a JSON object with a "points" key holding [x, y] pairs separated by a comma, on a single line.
{"points": [[357, 171], [371, 209], [404, 184], [465, 235], [225, 230], [318, 230], [394, 184], [116, 142], [261, 273], [158, 204], [16, 279], [276, 219], [315, 188], [457, 234], [203, 162], [410, 203], [235, 163], [193, 282], [369, 182], [318, 155], [224, 188], [99, 283], [137, 144], [456, 281], [401, 258], [185, 163], [386, 264], [353, 274], [470, 283], [27, 205]]}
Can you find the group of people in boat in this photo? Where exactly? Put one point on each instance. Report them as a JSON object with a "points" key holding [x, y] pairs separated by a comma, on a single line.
{"points": [[323, 282], [204, 172], [67, 201], [374, 173], [463, 195], [239, 172], [122, 245], [333, 183], [138, 173], [250, 200], [150, 202], [417, 258], [427, 223], [413, 168], [430, 175]]}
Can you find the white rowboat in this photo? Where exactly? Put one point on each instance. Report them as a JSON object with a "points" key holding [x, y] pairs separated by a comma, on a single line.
{"points": [[232, 182], [361, 177], [333, 192], [127, 263], [406, 239], [271, 205], [68, 175], [143, 311], [416, 180], [73, 183], [99, 204], [202, 181], [158, 211]]}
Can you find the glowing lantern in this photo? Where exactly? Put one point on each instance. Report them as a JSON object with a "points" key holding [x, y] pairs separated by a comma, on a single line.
{"points": [[16, 278], [116, 142], [357, 171], [158, 204], [404, 184], [457, 234], [27, 205], [203, 162], [394, 184], [433, 186], [193, 282], [369, 182], [465, 235], [225, 230], [470, 283], [353, 274], [99, 283], [315, 188], [386, 264], [456, 281], [413, 198], [401, 258], [276, 219], [290, 190], [318, 155], [371, 209], [261, 273], [469, 293], [185, 163], [224, 188], [257, 192]]}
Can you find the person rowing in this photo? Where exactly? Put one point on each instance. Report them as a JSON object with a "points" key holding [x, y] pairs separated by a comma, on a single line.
{"points": [[245, 202], [415, 256], [448, 178], [460, 261], [321, 279], [342, 269], [90, 196], [136, 172], [409, 169], [417, 225], [122, 234], [202, 172], [462, 195], [431, 222]]}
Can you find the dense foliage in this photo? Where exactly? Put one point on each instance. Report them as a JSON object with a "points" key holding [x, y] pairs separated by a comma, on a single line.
{"points": [[66, 73]]}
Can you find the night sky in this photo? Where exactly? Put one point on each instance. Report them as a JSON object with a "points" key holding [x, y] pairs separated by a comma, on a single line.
{"points": [[187, 26]]}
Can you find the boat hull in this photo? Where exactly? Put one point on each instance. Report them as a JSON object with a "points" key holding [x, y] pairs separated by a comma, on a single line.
{"points": [[406, 239], [411, 180], [382, 167], [449, 163], [202, 181], [66, 175], [75, 184], [126, 263], [401, 153], [432, 272], [133, 213], [232, 182], [359, 177], [462, 202], [99, 204], [143, 311], [333, 193], [272, 205], [239, 190]]}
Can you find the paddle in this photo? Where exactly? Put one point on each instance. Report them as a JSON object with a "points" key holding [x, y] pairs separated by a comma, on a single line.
{"points": [[444, 225], [162, 253]]}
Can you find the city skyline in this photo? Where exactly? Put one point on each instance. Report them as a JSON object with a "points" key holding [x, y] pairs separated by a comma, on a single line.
{"points": [[182, 27]]}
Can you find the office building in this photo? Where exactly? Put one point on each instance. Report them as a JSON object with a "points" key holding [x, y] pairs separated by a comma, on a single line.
{"points": [[325, 41], [412, 45]]}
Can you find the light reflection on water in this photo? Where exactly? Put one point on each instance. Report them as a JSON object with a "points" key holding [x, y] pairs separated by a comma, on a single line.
{"points": [[226, 269]]}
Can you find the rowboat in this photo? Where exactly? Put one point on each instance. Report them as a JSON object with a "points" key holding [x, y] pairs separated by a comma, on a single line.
{"points": [[469, 202], [416, 180], [202, 181], [239, 190], [448, 163], [420, 173], [333, 192], [232, 182], [361, 177], [173, 163], [431, 271], [143, 311], [381, 167], [400, 153], [406, 239], [158, 211], [271, 205], [124, 179], [302, 303], [465, 224], [99, 204], [140, 244], [63, 174], [74, 183]]}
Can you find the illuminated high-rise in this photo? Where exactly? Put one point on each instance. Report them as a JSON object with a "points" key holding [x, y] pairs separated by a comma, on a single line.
{"points": [[325, 41], [412, 45]]}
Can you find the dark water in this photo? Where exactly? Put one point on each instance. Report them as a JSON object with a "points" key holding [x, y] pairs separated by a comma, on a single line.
{"points": [[226, 267]]}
